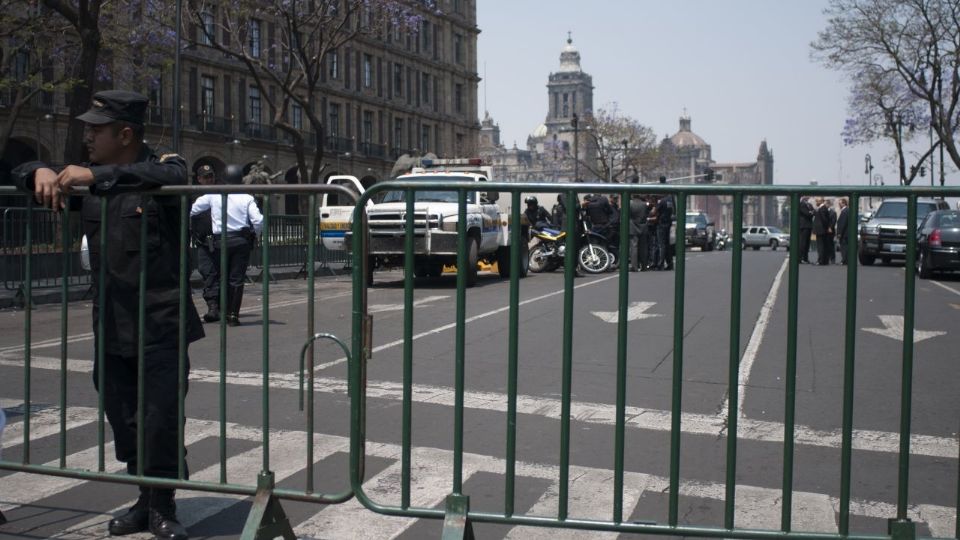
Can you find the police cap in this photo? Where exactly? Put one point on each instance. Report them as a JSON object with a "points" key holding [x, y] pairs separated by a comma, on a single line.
{"points": [[116, 106]]}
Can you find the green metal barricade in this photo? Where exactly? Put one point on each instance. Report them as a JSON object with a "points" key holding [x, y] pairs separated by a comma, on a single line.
{"points": [[266, 519], [458, 517]]}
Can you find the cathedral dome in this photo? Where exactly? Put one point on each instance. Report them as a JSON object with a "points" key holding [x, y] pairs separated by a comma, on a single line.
{"points": [[685, 137], [570, 58]]}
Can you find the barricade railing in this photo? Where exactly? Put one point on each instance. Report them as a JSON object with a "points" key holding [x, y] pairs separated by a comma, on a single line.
{"points": [[456, 513], [55, 249], [266, 519]]}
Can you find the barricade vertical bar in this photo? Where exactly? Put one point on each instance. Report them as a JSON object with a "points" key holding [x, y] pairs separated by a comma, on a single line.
{"points": [[64, 326], [408, 271], [790, 397], [513, 353], [101, 338], [265, 339], [570, 262], [733, 371], [27, 331], [182, 336], [462, 270], [906, 381], [626, 261], [224, 297], [676, 403], [141, 340], [311, 328], [849, 355]]}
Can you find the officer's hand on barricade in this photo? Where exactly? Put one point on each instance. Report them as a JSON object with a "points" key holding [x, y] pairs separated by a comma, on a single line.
{"points": [[74, 175], [46, 189]]}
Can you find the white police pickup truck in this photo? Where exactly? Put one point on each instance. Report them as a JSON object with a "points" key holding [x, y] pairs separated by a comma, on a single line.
{"points": [[435, 223]]}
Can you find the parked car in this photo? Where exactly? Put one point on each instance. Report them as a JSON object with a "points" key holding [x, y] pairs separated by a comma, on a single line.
{"points": [[700, 231], [884, 235], [758, 236], [938, 243]]}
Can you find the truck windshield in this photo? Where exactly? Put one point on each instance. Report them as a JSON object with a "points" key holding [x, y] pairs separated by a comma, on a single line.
{"points": [[898, 210], [429, 195]]}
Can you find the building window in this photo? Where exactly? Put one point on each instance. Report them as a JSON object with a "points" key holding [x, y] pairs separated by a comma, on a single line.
{"points": [[254, 106], [458, 98], [566, 105], [21, 65], [458, 6], [296, 116], [556, 105], [253, 38], [398, 132], [207, 87], [458, 48], [208, 32], [425, 35], [458, 141], [425, 87], [333, 64], [367, 127], [397, 80], [424, 138], [367, 71], [333, 122]]}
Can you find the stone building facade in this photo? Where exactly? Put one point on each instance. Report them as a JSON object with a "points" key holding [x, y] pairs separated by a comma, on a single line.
{"points": [[405, 93]]}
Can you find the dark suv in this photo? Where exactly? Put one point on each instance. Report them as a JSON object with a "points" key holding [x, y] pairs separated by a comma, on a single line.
{"points": [[884, 235], [700, 231]]}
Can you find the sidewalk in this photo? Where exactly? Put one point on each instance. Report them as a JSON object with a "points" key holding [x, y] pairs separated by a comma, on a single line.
{"points": [[52, 295]]}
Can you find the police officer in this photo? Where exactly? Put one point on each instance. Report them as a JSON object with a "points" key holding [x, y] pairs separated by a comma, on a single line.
{"points": [[664, 210], [244, 223], [120, 166], [201, 227], [537, 216]]}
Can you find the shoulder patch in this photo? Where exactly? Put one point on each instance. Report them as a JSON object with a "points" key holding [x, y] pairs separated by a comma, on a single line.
{"points": [[166, 157]]}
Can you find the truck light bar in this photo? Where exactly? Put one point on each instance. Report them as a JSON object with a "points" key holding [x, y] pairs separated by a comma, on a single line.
{"points": [[461, 161]]}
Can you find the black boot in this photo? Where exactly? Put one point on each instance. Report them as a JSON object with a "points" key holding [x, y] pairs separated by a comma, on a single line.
{"points": [[135, 520], [234, 300], [213, 311], [163, 516]]}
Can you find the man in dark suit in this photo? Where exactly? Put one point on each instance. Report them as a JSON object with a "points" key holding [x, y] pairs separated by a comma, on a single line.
{"points": [[806, 227], [639, 235], [842, 225], [832, 253], [823, 228]]}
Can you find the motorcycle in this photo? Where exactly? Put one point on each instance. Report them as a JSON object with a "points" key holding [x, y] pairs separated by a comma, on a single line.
{"points": [[592, 255], [722, 240]]}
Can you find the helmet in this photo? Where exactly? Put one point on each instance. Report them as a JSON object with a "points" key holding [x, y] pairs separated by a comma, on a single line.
{"points": [[530, 200]]}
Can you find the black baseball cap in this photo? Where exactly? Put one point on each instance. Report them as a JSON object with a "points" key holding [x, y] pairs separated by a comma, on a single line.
{"points": [[115, 106]]}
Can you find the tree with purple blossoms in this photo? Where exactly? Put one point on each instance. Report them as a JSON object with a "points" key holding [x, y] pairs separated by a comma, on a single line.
{"points": [[292, 54], [903, 58]]}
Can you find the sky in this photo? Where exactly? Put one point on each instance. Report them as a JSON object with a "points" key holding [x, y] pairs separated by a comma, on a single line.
{"points": [[742, 69]]}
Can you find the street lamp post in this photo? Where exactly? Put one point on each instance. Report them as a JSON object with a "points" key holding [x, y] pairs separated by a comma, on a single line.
{"points": [[576, 148], [175, 139]]}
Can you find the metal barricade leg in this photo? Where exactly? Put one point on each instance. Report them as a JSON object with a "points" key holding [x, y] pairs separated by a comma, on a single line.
{"points": [[456, 523], [267, 518]]}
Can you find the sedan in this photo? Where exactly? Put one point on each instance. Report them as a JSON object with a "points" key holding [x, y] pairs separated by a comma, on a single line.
{"points": [[938, 243]]}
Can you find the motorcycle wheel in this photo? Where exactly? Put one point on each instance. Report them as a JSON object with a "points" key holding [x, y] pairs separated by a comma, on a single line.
{"points": [[593, 259], [539, 262]]}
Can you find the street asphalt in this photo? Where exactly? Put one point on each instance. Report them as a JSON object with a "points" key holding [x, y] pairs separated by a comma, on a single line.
{"points": [[44, 507]]}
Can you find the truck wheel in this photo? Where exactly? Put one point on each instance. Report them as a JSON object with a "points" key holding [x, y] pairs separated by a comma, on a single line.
{"points": [[865, 259], [774, 244], [472, 262]]}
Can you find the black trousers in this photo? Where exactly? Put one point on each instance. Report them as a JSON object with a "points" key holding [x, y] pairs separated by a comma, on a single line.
{"points": [[209, 271], [640, 250], [160, 409], [664, 254], [824, 248], [843, 249], [238, 258], [805, 244]]}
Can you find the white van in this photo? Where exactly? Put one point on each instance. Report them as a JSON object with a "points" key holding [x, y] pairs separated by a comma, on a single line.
{"points": [[336, 212]]}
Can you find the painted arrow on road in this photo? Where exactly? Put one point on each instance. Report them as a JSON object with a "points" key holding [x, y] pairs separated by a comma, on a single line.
{"points": [[893, 329], [379, 308], [635, 312]]}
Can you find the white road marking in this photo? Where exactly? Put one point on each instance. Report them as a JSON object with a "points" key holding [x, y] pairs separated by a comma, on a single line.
{"points": [[587, 412], [449, 326], [753, 346], [45, 423], [893, 329], [379, 308], [635, 312], [945, 287]]}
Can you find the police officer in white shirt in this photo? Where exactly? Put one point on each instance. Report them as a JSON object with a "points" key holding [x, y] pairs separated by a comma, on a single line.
{"points": [[244, 223]]}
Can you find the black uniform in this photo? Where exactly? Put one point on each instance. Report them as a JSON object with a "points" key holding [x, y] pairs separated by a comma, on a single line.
{"points": [[842, 233], [538, 217], [201, 229], [806, 227], [664, 257], [639, 237], [125, 212]]}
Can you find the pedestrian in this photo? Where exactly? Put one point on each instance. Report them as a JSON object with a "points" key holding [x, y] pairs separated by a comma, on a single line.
{"points": [[537, 216], [823, 229], [806, 212], [201, 228], [832, 235], [244, 223], [639, 248], [120, 166], [665, 211], [599, 212], [842, 224], [559, 213]]}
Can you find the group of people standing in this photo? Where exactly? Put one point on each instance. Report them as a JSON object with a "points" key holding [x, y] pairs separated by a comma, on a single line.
{"points": [[830, 227]]}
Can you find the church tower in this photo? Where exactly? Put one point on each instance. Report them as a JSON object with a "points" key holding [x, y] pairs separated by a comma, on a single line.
{"points": [[569, 90]]}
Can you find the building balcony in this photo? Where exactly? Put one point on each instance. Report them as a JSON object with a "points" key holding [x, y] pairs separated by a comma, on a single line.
{"points": [[339, 144], [373, 150]]}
